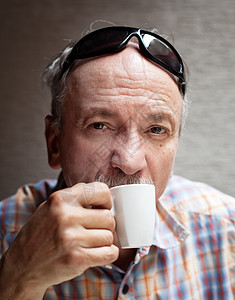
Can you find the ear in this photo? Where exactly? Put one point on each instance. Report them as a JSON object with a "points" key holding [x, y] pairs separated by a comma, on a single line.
{"points": [[52, 139]]}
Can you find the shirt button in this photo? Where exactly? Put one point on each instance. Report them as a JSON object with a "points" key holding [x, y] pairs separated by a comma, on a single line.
{"points": [[125, 289]]}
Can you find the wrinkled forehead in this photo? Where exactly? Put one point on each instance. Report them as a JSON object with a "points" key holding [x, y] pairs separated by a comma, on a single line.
{"points": [[127, 64], [124, 81]]}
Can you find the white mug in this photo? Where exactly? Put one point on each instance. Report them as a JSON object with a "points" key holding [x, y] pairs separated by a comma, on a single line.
{"points": [[134, 209]]}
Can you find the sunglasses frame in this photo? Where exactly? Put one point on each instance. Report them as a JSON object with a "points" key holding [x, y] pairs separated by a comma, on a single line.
{"points": [[132, 31]]}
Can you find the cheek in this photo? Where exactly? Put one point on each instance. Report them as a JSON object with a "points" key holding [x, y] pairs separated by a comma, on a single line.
{"points": [[161, 166], [81, 160]]}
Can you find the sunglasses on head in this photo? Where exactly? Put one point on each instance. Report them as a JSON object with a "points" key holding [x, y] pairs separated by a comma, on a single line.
{"points": [[114, 39]]}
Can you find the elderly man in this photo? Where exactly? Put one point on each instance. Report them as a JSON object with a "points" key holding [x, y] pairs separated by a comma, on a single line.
{"points": [[118, 104]]}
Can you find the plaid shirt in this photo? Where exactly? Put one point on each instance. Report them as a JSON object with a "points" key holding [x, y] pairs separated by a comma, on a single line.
{"points": [[192, 256]]}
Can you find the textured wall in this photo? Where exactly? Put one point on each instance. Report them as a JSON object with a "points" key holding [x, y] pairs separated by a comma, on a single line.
{"points": [[32, 31]]}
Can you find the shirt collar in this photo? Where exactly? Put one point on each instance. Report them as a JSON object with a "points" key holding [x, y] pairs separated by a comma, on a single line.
{"points": [[168, 232]]}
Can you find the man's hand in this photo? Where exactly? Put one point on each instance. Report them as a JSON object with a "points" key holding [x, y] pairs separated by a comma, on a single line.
{"points": [[70, 232]]}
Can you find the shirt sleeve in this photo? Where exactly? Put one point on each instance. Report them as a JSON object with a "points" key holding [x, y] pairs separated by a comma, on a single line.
{"points": [[16, 210]]}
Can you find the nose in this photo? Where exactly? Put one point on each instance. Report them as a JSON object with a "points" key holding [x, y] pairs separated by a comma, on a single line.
{"points": [[129, 153]]}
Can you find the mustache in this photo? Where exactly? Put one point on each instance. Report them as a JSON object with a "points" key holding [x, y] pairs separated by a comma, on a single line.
{"points": [[121, 179]]}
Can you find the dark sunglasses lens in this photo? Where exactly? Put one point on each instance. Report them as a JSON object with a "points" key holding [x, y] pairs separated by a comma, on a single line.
{"points": [[161, 51], [101, 42]]}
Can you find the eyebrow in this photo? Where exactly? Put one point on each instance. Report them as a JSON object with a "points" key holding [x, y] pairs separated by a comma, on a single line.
{"points": [[163, 117], [98, 112], [82, 116]]}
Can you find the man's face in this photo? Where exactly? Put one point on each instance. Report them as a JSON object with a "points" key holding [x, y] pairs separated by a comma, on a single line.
{"points": [[121, 120]]}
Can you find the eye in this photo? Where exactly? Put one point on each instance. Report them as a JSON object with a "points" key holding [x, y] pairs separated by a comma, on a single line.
{"points": [[98, 126], [158, 130]]}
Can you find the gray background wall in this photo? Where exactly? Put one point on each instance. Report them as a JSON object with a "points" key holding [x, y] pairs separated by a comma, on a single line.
{"points": [[31, 31]]}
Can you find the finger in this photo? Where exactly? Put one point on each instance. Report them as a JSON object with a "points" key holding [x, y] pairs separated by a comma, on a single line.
{"points": [[101, 256], [98, 238], [91, 238], [81, 259], [86, 217], [97, 219], [95, 194]]}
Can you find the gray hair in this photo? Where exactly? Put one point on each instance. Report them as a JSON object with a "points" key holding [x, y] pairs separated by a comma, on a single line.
{"points": [[55, 79]]}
